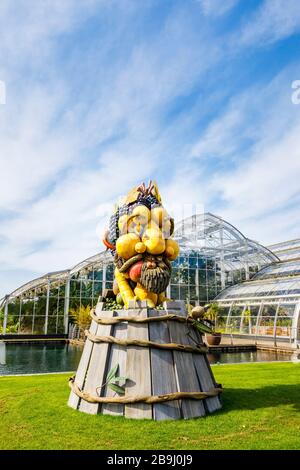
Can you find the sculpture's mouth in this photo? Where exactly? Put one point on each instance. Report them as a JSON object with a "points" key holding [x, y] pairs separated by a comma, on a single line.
{"points": [[155, 274]]}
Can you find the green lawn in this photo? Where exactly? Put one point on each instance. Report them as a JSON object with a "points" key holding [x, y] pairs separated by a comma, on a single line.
{"points": [[261, 411]]}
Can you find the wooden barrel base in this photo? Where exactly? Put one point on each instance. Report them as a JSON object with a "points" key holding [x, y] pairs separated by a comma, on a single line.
{"points": [[168, 382]]}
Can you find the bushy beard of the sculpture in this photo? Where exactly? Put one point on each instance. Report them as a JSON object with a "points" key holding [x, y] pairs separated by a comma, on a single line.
{"points": [[155, 279]]}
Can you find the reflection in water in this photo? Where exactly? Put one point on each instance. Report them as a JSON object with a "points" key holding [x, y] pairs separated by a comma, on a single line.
{"points": [[60, 357], [39, 358], [2, 353], [247, 356]]}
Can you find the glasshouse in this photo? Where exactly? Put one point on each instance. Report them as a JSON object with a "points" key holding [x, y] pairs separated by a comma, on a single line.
{"points": [[267, 306], [257, 293]]}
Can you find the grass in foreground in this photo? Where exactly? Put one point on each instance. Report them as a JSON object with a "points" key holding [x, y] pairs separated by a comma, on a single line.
{"points": [[261, 411]]}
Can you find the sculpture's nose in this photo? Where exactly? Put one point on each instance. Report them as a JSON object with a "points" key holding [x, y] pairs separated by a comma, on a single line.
{"points": [[154, 241], [151, 265]]}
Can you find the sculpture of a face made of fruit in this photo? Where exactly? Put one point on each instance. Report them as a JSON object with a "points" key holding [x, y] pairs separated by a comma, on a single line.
{"points": [[140, 239]]}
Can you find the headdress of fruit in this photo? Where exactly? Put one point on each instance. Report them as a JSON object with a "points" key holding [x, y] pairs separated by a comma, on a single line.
{"points": [[140, 239]]}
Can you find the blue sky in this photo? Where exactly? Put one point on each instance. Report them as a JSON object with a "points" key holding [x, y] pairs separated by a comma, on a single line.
{"points": [[103, 94]]}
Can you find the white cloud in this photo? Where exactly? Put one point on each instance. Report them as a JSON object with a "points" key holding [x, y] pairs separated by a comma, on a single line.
{"points": [[274, 20], [27, 28], [272, 170], [217, 7], [218, 139], [31, 155], [259, 191]]}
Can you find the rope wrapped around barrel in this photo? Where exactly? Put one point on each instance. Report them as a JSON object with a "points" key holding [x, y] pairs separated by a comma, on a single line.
{"points": [[130, 399], [116, 320], [146, 344]]}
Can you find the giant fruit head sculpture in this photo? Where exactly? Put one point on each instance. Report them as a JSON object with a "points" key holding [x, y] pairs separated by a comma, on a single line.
{"points": [[140, 239]]}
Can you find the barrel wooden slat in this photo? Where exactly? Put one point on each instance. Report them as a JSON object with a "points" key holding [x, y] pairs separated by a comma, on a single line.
{"points": [[118, 355], [138, 368], [162, 371], [204, 373], [74, 400], [186, 374], [97, 368]]}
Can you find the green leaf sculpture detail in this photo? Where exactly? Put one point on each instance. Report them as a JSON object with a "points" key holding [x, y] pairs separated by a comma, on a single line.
{"points": [[113, 381]]}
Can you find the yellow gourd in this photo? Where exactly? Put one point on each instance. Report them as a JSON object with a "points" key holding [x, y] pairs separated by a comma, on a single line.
{"points": [[166, 228], [142, 212], [140, 247], [122, 224], [125, 289], [158, 215], [172, 249], [154, 241], [125, 245], [142, 294]]}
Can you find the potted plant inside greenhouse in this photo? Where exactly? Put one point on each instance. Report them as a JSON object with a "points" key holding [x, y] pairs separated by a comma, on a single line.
{"points": [[211, 314]]}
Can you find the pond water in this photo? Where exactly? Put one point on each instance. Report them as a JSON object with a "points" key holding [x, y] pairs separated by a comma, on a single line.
{"points": [[59, 357], [248, 356], [38, 358]]}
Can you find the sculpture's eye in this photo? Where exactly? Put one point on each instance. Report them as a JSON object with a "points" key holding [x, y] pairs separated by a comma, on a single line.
{"points": [[136, 224]]}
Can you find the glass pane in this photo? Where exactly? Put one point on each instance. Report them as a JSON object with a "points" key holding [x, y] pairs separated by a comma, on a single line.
{"points": [[192, 276], [27, 307], [53, 306], [86, 288], [203, 293], [284, 326], [98, 275], [183, 276], [97, 289], [269, 311], [285, 320], [286, 310], [74, 303], [174, 276], [14, 308], [184, 293], [221, 324], [75, 289], [248, 324], [234, 325], [174, 292], [52, 325], [12, 326], [202, 277], [110, 273], [39, 325], [237, 311], [60, 325], [40, 306], [26, 325], [193, 293], [224, 310], [266, 326]]}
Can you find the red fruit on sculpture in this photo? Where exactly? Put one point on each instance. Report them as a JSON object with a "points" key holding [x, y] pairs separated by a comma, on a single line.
{"points": [[135, 271]]}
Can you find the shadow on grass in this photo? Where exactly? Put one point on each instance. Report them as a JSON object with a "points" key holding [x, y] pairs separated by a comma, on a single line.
{"points": [[254, 398]]}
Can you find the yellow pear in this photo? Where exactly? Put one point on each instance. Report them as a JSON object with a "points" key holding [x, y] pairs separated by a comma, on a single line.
{"points": [[142, 212]]}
